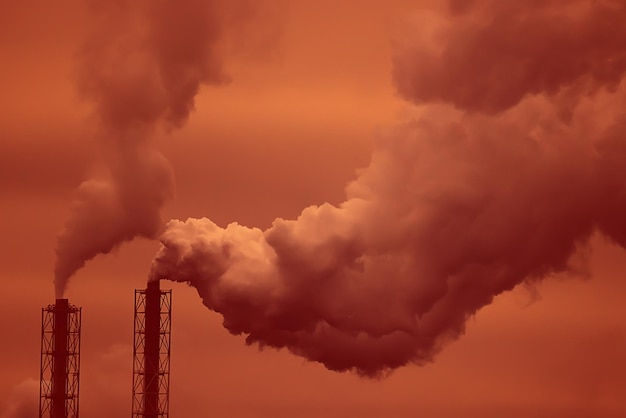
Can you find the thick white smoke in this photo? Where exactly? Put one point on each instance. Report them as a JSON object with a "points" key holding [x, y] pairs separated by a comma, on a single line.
{"points": [[453, 210], [503, 172]]}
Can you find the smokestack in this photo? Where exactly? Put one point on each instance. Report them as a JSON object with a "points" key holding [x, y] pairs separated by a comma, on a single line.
{"points": [[151, 359], [151, 352], [60, 360]]}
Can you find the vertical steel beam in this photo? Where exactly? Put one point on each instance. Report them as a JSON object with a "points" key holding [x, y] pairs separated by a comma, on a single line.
{"points": [[59, 362], [151, 354]]}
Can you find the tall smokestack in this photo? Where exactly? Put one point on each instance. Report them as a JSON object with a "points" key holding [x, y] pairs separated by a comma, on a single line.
{"points": [[60, 360], [151, 356], [151, 352]]}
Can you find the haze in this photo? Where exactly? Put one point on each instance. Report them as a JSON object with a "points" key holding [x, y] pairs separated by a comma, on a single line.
{"points": [[312, 88]]}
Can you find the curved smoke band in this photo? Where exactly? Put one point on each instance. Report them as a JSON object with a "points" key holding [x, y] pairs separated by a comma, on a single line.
{"points": [[515, 156]]}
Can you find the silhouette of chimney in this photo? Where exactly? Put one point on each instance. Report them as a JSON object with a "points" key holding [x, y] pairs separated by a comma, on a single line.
{"points": [[60, 360], [151, 352]]}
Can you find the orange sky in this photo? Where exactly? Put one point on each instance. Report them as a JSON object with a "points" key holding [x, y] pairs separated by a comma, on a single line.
{"points": [[290, 130]]}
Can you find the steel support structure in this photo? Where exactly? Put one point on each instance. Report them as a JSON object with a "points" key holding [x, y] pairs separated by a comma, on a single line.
{"points": [[60, 360], [151, 352]]}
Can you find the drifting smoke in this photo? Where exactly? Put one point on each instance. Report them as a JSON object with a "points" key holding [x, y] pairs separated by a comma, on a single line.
{"points": [[489, 55], [141, 68], [517, 155]]}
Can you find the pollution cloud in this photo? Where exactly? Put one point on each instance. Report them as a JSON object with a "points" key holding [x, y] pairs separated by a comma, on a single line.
{"points": [[515, 155], [141, 68], [487, 55]]}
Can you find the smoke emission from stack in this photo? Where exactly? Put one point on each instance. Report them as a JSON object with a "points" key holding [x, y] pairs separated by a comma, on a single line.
{"points": [[515, 156], [141, 68]]}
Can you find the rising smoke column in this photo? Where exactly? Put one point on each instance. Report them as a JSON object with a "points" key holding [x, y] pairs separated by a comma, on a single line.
{"points": [[509, 165], [141, 68]]}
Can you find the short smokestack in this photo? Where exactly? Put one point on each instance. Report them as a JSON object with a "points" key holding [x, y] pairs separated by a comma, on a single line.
{"points": [[151, 352], [60, 360]]}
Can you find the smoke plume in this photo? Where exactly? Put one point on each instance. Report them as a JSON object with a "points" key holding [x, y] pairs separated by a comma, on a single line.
{"points": [[141, 68], [515, 156]]}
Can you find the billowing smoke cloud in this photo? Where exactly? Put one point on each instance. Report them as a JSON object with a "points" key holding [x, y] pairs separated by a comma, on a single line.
{"points": [[141, 68], [488, 54], [489, 185]]}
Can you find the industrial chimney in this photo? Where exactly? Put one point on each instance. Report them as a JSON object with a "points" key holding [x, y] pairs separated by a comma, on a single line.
{"points": [[151, 352], [60, 360]]}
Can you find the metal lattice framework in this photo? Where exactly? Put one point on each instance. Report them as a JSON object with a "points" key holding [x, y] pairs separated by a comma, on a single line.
{"points": [[60, 360], [151, 352]]}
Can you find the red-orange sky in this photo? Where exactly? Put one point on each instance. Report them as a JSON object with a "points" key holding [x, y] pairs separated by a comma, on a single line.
{"points": [[311, 86]]}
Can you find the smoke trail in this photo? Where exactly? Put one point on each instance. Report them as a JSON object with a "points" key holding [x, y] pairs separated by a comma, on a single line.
{"points": [[141, 69], [498, 179]]}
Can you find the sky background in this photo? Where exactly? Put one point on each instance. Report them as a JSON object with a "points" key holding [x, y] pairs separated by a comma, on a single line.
{"points": [[306, 101]]}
